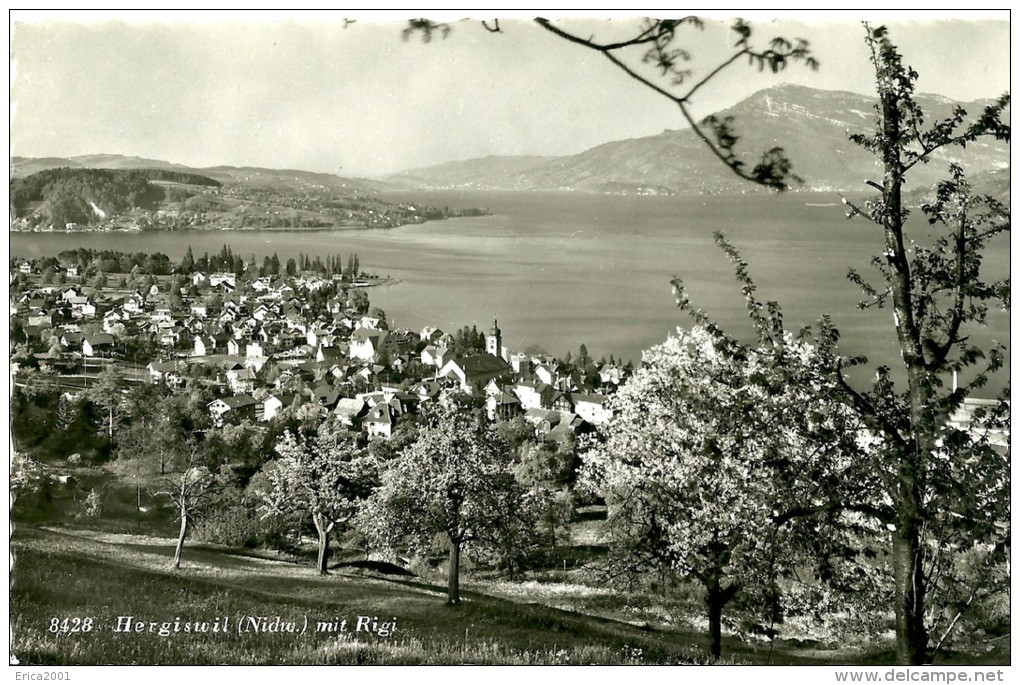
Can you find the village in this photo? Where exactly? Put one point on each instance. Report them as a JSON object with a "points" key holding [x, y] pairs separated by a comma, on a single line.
{"points": [[261, 342]]}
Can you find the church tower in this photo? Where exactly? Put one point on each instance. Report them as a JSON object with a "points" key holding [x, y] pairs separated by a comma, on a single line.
{"points": [[494, 340]]}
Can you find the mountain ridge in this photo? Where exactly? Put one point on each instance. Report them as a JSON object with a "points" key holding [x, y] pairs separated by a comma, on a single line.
{"points": [[811, 124]]}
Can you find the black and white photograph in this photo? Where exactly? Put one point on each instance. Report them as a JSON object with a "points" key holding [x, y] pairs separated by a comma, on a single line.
{"points": [[501, 338]]}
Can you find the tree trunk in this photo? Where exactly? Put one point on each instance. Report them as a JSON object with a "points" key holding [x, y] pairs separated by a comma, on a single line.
{"points": [[715, 602], [909, 598], [323, 530], [180, 540], [453, 576], [908, 570]]}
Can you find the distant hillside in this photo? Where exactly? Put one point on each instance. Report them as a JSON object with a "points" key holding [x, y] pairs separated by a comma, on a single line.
{"points": [[811, 125], [81, 196], [228, 175], [173, 197], [500, 171]]}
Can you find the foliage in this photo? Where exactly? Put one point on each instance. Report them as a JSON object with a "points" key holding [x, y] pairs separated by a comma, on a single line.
{"points": [[941, 491], [326, 476], [947, 488], [709, 460], [26, 475], [155, 439], [92, 507], [455, 482], [62, 196], [234, 519]]}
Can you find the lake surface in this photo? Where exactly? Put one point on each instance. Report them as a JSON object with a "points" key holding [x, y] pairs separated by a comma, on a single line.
{"points": [[561, 269]]}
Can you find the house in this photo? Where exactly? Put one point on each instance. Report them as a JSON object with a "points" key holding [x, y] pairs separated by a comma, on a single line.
{"points": [[71, 338], [240, 406], [427, 390], [382, 420], [203, 345], [350, 411], [331, 354], [252, 350], [561, 401], [534, 394], [81, 307], [97, 343], [545, 374], [434, 355], [366, 343], [544, 420], [241, 380], [368, 322], [430, 334], [503, 406], [168, 334], [134, 303], [261, 312], [218, 279], [272, 405], [592, 408], [611, 374], [401, 342], [166, 372], [199, 310], [233, 347], [325, 395], [519, 362], [472, 373], [161, 313]]}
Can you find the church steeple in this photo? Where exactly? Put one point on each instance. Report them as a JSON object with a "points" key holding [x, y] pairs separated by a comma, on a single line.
{"points": [[494, 340]]}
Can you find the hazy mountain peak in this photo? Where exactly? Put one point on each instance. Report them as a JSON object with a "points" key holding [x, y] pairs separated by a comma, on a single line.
{"points": [[812, 125]]}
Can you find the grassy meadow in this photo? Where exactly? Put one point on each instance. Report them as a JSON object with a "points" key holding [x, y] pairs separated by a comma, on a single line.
{"points": [[70, 566]]}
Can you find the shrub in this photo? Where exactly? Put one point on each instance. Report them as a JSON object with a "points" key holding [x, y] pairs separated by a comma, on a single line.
{"points": [[92, 507], [239, 525]]}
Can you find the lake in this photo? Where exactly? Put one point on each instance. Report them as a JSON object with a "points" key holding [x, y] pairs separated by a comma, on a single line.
{"points": [[561, 269]]}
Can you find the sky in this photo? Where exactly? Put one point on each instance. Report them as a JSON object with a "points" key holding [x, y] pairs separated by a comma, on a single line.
{"points": [[304, 91]]}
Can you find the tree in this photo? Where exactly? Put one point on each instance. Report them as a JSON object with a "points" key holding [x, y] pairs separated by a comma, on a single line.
{"points": [[326, 476], [357, 300], [453, 481], [108, 394], [700, 466], [188, 262], [189, 494], [99, 280], [937, 293], [941, 491], [158, 430]]}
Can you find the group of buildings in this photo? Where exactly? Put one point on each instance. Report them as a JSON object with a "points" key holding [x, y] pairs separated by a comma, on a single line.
{"points": [[265, 344]]}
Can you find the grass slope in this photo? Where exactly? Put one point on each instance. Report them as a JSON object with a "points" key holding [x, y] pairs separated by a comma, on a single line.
{"points": [[104, 576]]}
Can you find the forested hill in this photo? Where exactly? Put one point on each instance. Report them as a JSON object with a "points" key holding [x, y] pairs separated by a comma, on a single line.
{"points": [[79, 196]]}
